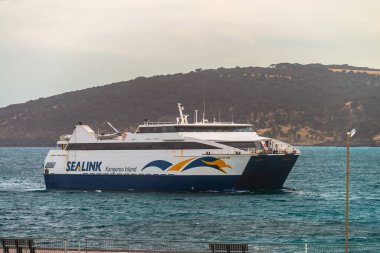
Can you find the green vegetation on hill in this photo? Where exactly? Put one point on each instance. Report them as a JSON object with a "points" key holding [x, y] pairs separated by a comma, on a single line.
{"points": [[301, 104]]}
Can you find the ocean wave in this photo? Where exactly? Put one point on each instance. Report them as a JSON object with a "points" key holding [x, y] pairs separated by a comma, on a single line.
{"points": [[20, 185]]}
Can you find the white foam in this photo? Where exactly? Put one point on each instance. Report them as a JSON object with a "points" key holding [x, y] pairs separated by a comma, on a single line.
{"points": [[20, 185]]}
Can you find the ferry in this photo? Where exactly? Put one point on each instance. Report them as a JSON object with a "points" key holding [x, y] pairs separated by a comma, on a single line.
{"points": [[170, 156]]}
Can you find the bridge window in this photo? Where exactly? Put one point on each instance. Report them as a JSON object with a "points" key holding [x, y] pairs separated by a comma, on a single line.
{"points": [[172, 129]]}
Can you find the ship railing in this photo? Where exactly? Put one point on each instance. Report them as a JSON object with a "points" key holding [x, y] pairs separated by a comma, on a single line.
{"points": [[269, 151], [149, 123], [286, 151]]}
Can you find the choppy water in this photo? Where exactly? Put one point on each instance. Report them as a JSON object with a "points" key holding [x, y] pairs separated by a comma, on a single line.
{"points": [[312, 212]]}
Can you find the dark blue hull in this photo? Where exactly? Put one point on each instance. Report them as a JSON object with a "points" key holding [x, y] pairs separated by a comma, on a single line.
{"points": [[262, 172]]}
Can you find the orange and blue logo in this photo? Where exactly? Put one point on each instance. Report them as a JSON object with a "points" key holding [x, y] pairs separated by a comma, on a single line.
{"points": [[187, 164]]}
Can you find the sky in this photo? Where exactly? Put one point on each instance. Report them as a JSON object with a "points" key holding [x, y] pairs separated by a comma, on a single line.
{"points": [[48, 47]]}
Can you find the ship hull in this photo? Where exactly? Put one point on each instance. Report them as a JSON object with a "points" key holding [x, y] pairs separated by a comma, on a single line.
{"points": [[261, 172]]}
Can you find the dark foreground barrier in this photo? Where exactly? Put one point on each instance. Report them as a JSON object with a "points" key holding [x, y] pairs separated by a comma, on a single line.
{"points": [[33, 245], [228, 248], [19, 245]]}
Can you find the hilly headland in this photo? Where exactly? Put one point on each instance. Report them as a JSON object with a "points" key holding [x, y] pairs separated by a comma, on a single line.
{"points": [[310, 104]]}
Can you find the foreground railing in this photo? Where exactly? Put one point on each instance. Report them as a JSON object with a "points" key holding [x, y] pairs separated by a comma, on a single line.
{"points": [[92, 245], [110, 245]]}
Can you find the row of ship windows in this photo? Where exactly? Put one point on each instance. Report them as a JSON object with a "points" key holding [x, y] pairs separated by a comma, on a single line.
{"points": [[157, 146], [139, 146], [175, 129]]}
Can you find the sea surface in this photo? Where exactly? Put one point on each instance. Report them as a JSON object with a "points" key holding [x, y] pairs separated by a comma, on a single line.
{"points": [[311, 209]]}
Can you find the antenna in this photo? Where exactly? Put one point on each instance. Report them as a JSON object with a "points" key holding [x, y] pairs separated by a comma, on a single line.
{"points": [[204, 102], [232, 113]]}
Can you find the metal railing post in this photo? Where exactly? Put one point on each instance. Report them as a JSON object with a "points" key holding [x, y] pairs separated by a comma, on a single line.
{"points": [[349, 136]]}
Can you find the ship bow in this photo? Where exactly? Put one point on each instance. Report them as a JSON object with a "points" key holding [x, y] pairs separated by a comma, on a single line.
{"points": [[267, 171]]}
